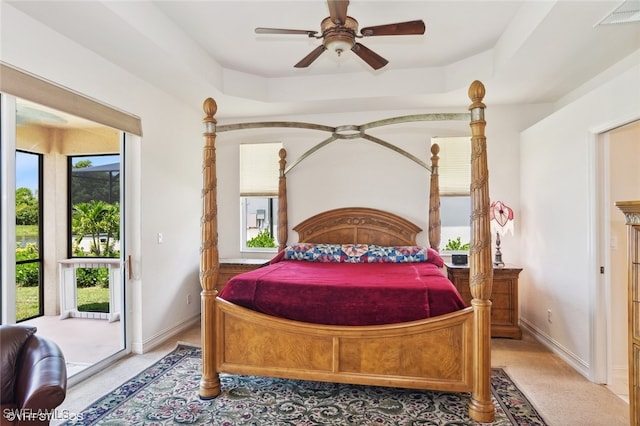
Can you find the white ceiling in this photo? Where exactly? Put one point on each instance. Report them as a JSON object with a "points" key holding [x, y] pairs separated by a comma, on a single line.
{"points": [[524, 51]]}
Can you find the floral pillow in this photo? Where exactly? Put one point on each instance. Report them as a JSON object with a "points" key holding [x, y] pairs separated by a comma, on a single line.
{"points": [[396, 254], [355, 253], [320, 252], [361, 253]]}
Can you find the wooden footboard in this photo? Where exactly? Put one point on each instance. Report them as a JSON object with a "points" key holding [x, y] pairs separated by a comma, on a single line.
{"points": [[431, 354]]}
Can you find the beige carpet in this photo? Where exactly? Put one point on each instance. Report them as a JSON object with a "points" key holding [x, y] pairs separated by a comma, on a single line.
{"points": [[561, 395]]}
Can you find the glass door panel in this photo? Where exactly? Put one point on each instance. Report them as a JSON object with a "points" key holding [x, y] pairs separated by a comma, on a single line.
{"points": [[68, 259], [29, 286]]}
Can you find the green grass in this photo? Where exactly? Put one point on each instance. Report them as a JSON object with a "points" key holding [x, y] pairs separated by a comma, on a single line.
{"points": [[93, 299], [26, 302], [26, 231], [90, 299]]}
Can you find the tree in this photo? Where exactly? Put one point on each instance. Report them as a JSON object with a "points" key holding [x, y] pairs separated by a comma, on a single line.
{"points": [[263, 239], [26, 207], [82, 164], [100, 221]]}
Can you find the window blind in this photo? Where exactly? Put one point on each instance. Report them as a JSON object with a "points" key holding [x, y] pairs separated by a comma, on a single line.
{"points": [[259, 169], [455, 165]]}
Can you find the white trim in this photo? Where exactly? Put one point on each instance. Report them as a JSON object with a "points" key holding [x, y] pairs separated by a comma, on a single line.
{"points": [[596, 281], [567, 356], [165, 335], [600, 235], [8, 208]]}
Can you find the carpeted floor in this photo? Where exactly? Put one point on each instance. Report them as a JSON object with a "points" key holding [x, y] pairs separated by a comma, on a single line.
{"points": [[167, 393]]}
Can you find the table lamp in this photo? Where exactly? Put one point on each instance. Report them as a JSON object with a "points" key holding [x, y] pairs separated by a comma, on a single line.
{"points": [[501, 217]]}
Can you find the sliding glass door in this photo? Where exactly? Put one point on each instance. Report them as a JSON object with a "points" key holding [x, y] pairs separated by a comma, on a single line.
{"points": [[65, 225]]}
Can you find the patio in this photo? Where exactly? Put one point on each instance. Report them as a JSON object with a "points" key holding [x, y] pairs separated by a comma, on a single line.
{"points": [[83, 341]]}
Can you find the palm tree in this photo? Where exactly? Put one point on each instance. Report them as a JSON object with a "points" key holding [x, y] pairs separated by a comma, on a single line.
{"points": [[96, 218]]}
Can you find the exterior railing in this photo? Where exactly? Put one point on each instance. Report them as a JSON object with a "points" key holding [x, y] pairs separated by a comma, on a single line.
{"points": [[69, 287]]}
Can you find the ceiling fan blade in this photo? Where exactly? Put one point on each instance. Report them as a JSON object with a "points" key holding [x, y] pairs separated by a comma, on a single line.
{"points": [[307, 60], [401, 28], [338, 11], [374, 60], [261, 30]]}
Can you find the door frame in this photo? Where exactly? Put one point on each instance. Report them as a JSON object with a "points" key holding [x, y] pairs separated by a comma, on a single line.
{"points": [[601, 363], [8, 123], [7, 208]]}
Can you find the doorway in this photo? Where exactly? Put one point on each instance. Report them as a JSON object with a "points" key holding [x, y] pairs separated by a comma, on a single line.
{"points": [[77, 229], [619, 152]]}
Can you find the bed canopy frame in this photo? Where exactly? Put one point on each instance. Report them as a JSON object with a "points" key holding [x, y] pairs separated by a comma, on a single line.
{"points": [[468, 330]]}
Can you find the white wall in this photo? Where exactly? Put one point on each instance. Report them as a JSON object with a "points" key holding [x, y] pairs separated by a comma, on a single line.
{"points": [[164, 180], [356, 172], [166, 197], [558, 207]]}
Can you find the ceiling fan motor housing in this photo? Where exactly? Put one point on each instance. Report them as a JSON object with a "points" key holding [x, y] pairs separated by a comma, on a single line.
{"points": [[338, 37]]}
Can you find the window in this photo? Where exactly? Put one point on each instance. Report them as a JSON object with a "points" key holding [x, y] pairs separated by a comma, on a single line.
{"points": [[259, 172], [454, 170], [94, 206], [29, 271]]}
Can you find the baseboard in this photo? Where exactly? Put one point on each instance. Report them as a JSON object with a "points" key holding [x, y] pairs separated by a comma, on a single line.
{"points": [[567, 356], [163, 336]]}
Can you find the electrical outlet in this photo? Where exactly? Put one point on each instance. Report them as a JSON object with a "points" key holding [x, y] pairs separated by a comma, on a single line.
{"points": [[160, 238], [549, 315], [188, 299]]}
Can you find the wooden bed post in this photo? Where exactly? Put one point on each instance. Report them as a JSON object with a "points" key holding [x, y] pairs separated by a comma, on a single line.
{"points": [[481, 407], [434, 200], [283, 223], [209, 261]]}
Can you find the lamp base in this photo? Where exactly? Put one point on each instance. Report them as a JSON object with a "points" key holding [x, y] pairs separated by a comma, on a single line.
{"points": [[497, 262]]}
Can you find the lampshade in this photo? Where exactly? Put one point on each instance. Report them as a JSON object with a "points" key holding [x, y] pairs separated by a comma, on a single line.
{"points": [[501, 217]]}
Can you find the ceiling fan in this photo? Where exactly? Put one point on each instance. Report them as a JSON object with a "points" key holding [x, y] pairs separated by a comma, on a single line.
{"points": [[339, 33]]}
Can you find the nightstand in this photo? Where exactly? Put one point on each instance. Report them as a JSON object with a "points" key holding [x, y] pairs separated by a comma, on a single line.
{"points": [[232, 267], [504, 297]]}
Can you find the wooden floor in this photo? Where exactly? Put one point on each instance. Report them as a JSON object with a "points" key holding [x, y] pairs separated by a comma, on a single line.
{"points": [[561, 395]]}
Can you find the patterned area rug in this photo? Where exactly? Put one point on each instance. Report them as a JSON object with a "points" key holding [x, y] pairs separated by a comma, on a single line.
{"points": [[167, 394]]}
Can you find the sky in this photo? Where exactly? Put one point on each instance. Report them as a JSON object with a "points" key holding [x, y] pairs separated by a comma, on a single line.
{"points": [[27, 168]]}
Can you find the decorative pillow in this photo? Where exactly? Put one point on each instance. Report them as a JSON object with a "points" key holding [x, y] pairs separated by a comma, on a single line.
{"points": [[321, 252], [12, 338], [355, 253], [361, 253], [314, 252], [396, 254]]}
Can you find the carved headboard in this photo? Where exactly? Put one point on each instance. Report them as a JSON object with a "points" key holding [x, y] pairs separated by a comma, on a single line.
{"points": [[357, 225]]}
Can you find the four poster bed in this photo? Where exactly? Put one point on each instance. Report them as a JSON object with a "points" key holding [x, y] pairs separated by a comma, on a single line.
{"points": [[444, 349]]}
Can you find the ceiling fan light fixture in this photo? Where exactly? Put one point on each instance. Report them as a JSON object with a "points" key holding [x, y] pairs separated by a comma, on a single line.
{"points": [[340, 31], [338, 45], [339, 38]]}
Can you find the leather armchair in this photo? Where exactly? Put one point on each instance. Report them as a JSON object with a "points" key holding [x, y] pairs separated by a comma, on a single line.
{"points": [[33, 377]]}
